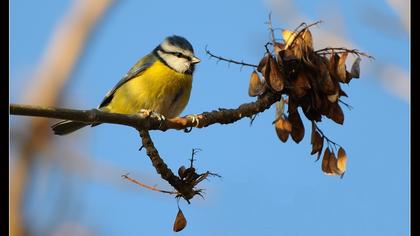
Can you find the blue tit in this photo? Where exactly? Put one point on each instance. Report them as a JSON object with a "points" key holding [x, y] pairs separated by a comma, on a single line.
{"points": [[160, 82]]}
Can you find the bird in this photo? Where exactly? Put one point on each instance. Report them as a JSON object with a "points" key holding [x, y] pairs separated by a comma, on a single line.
{"points": [[159, 83]]}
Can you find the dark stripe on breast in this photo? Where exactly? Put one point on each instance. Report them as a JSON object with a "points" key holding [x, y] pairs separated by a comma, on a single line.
{"points": [[177, 96]]}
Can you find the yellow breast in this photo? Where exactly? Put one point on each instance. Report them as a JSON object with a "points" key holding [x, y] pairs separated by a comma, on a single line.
{"points": [[158, 88]]}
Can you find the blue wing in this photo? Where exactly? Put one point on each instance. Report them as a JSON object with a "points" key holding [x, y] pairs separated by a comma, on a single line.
{"points": [[142, 65]]}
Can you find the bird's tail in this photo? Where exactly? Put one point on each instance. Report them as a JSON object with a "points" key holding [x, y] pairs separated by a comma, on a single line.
{"points": [[67, 126]]}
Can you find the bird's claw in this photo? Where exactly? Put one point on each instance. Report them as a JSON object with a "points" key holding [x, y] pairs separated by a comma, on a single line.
{"points": [[194, 119], [153, 114]]}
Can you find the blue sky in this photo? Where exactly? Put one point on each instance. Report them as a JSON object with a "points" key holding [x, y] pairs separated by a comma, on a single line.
{"points": [[267, 187]]}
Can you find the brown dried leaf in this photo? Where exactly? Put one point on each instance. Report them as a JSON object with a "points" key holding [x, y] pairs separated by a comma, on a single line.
{"points": [[334, 58], [288, 37], [316, 140], [263, 63], [180, 221], [298, 130], [288, 55], [300, 85], [333, 97], [325, 165], [341, 161], [256, 87], [307, 39], [332, 164], [279, 108], [326, 83], [355, 68], [278, 47], [267, 69], [283, 129], [336, 113], [276, 77], [348, 77], [341, 67]]}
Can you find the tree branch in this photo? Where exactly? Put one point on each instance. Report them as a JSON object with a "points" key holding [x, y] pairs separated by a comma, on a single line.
{"points": [[185, 189], [140, 122]]}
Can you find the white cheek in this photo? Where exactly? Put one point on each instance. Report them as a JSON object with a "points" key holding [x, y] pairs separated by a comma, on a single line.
{"points": [[179, 65]]}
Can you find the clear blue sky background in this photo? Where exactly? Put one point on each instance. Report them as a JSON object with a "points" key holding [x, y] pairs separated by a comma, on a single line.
{"points": [[268, 188]]}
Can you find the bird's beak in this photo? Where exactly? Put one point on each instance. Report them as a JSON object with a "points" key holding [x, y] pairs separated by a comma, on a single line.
{"points": [[195, 60]]}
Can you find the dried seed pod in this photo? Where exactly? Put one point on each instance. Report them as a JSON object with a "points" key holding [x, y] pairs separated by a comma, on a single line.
{"points": [[333, 97], [276, 77], [325, 165], [266, 70], [278, 47], [341, 160], [326, 83], [298, 130], [256, 87], [288, 55], [300, 85], [317, 141], [263, 63], [279, 108], [355, 68], [307, 39], [340, 69], [180, 221], [283, 129], [332, 164], [333, 62], [288, 37], [335, 113], [182, 172]]}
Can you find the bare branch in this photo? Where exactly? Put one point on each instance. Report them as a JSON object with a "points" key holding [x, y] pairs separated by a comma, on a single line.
{"points": [[184, 189], [221, 116]]}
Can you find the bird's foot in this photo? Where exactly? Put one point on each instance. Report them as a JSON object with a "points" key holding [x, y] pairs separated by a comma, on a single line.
{"points": [[152, 114], [194, 119]]}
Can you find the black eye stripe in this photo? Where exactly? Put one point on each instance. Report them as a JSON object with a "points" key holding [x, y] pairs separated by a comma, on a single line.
{"points": [[177, 54]]}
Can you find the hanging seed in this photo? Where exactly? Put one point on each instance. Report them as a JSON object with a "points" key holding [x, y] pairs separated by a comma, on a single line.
{"points": [[336, 113], [325, 166], [316, 140], [307, 39], [180, 221], [341, 67], [355, 68], [283, 129], [288, 37], [276, 77], [256, 87], [263, 63], [298, 130], [341, 160], [300, 85]]}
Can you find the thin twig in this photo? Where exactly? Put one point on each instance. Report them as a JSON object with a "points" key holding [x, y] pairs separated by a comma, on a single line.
{"points": [[324, 136], [346, 104], [270, 28], [329, 50], [229, 60], [147, 186]]}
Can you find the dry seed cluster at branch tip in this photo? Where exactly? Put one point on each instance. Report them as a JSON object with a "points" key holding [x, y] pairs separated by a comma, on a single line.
{"points": [[308, 79]]}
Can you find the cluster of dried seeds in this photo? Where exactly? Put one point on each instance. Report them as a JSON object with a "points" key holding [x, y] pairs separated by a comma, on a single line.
{"points": [[308, 79]]}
